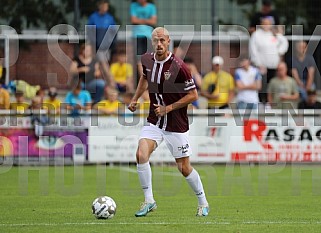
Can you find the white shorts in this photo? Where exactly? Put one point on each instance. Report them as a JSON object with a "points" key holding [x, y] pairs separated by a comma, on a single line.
{"points": [[177, 143]]}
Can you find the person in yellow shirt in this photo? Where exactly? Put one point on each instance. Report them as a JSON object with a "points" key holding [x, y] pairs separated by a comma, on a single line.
{"points": [[20, 105], [218, 86], [123, 73], [111, 104], [52, 103], [4, 98]]}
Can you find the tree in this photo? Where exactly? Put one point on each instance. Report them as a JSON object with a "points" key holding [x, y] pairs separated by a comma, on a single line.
{"points": [[26, 14], [292, 12]]}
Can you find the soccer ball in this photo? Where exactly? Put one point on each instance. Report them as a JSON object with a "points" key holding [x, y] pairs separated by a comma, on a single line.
{"points": [[104, 207]]}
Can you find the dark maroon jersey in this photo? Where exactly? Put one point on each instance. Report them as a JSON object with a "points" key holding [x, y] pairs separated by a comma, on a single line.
{"points": [[168, 81]]}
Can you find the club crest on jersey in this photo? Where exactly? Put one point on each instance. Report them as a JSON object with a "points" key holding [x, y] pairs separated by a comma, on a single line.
{"points": [[167, 75], [189, 82]]}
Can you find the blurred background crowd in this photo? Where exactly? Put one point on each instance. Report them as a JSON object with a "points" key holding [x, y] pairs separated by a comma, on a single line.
{"points": [[272, 71]]}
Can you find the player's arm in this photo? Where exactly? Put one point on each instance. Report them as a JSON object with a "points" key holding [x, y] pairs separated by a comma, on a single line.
{"points": [[190, 97], [141, 88]]}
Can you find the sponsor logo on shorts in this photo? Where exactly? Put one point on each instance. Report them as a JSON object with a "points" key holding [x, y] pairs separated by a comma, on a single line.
{"points": [[183, 148]]}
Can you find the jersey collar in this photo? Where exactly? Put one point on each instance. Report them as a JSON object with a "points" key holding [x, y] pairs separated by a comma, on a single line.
{"points": [[165, 60]]}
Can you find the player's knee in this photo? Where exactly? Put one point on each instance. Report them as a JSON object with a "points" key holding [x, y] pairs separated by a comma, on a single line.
{"points": [[141, 157]]}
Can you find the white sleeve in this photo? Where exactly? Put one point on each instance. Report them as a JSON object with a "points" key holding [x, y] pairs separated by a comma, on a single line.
{"points": [[254, 53], [283, 44]]}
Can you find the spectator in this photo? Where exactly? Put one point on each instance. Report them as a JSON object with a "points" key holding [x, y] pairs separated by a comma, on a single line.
{"points": [[86, 68], [266, 48], [197, 77], [29, 91], [282, 90], [111, 104], [104, 39], [248, 82], [2, 71], [143, 16], [52, 103], [38, 119], [127, 97], [311, 101], [303, 69], [20, 105], [77, 100], [122, 73], [4, 98], [179, 51], [218, 86], [266, 11], [41, 93]]}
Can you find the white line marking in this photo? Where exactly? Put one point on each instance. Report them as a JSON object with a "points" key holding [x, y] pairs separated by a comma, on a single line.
{"points": [[109, 222], [104, 222]]}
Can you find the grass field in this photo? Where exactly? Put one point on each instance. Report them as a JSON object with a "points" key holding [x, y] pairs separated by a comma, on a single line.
{"points": [[242, 199]]}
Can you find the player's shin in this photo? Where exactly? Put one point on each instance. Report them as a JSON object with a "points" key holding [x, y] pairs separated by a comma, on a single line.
{"points": [[145, 177], [195, 182]]}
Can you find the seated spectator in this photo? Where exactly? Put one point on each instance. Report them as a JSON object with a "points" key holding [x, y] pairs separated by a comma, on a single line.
{"points": [[38, 119], [111, 104], [86, 69], [52, 103], [311, 101], [303, 69], [29, 91], [218, 86], [41, 93], [77, 100], [4, 98], [3, 71], [122, 73], [248, 82], [282, 90], [20, 105], [197, 77]]}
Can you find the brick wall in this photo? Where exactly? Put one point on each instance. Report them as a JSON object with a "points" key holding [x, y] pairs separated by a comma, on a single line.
{"points": [[38, 66]]}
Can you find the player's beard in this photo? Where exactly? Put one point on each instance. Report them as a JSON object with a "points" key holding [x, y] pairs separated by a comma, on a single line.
{"points": [[160, 52]]}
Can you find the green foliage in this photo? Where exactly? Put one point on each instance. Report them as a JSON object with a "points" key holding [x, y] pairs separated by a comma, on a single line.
{"points": [[26, 14], [31, 13], [291, 12]]}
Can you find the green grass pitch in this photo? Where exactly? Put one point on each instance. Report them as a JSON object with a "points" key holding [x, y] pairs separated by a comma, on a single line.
{"points": [[243, 198]]}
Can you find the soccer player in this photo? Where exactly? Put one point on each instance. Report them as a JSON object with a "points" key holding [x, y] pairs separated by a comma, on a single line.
{"points": [[171, 89]]}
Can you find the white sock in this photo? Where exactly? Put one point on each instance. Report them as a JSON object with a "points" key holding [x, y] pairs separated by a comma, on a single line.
{"points": [[195, 182], [145, 177]]}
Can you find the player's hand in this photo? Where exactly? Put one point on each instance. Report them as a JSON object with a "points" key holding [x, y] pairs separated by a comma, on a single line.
{"points": [[132, 106], [160, 110]]}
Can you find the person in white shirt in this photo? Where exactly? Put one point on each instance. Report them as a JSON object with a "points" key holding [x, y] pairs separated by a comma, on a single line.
{"points": [[267, 46], [248, 82]]}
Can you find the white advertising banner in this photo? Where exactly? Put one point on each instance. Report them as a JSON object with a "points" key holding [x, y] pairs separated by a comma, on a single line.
{"points": [[284, 139], [114, 141], [215, 139]]}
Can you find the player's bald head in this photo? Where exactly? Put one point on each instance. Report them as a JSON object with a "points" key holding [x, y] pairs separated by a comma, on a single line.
{"points": [[160, 31]]}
